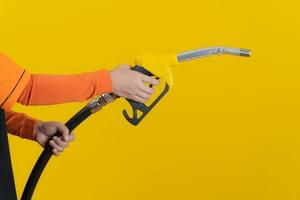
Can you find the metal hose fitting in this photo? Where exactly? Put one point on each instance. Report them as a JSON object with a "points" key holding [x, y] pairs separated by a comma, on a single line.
{"points": [[97, 103]]}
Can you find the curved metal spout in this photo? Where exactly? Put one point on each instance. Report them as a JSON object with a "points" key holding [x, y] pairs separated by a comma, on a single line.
{"points": [[198, 53]]}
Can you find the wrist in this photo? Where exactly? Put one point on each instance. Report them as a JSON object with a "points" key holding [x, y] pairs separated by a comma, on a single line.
{"points": [[36, 126]]}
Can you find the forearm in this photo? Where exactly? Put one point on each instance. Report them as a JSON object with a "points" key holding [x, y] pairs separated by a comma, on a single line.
{"points": [[20, 124], [55, 89]]}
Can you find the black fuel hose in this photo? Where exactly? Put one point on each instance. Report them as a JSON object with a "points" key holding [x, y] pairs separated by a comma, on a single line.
{"points": [[47, 153]]}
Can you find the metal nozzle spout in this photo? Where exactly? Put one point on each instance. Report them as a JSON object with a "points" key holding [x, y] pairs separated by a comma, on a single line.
{"points": [[203, 52]]}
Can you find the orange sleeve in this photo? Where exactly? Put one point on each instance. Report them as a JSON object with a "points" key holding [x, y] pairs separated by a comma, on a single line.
{"points": [[13, 80], [20, 124], [55, 89]]}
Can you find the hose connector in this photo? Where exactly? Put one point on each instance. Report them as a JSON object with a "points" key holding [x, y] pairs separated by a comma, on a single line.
{"points": [[97, 103]]}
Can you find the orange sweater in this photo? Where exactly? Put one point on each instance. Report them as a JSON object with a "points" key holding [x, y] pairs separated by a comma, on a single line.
{"points": [[34, 89]]}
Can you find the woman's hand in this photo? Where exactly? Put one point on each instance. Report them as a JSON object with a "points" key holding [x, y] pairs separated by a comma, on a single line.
{"points": [[43, 131], [131, 84]]}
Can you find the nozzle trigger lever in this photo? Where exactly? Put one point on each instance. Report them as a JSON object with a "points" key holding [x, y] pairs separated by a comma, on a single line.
{"points": [[135, 120]]}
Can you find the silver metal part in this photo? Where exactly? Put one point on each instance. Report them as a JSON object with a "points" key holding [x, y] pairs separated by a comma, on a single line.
{"points": [[97, 103], [198, 53]]}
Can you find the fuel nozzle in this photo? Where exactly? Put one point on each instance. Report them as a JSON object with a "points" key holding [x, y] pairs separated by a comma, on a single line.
{"points": [[159, 66]]}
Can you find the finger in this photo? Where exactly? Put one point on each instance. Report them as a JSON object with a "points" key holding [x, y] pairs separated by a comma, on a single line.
{"points": [[71, 137], [146, 89], [60, 142], [143, 95], [138, 99], [63, 130], [55, 152], [55, 146], [149, 79]]}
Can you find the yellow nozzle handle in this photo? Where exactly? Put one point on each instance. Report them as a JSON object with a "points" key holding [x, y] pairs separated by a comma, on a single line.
{"points": [[158, 64]]}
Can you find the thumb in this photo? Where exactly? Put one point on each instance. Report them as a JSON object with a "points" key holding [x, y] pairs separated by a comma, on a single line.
{"points": [[63, 130], [124, 66]]}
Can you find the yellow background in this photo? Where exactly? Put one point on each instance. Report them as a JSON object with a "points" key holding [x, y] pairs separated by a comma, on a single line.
{"points": [[229, 129]]}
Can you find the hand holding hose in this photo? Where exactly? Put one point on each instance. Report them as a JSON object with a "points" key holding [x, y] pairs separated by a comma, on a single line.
{"points": [[43, 132]]}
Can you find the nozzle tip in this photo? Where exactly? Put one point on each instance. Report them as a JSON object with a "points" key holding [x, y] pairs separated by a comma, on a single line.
{"points": [[245, 52]]}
